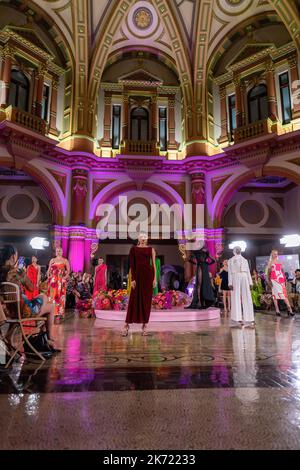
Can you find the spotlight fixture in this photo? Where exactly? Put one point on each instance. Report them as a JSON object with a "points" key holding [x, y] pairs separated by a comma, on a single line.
{"points": [[290, 241], [38, 243]]}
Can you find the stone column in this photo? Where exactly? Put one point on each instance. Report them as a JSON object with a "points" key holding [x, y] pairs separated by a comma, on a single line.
{"points": [[65, 241], [6, 74], [125, 115], [198, 200], [76, 248], [238, 101], [224, 123], [53, 108], [39, 91], [243, 103], [79, 192], [172, 144], [293, 63], [106, 140], [154, 119], [272, 101]]}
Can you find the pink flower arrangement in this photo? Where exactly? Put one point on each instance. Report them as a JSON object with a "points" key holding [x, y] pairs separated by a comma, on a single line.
{"points": [[118, 300], [170, 299], [111, 300]]}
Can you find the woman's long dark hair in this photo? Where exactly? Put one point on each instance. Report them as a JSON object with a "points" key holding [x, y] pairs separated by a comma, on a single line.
{"points": [[5, 254]]}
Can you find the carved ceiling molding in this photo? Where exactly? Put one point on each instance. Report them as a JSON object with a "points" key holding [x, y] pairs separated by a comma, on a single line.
{"points": [[200, 67], [60, 12], [287, 12], [180, 53], [272, 52]]}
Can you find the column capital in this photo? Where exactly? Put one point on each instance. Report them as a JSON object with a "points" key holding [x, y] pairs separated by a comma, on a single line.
{"points": [[79, 172], [41, 72], [8, 51], [237, 80], [107, 96], [197, 176], [55, 83], [293, 61], [80, 181], [269, 66], [222, 91]]}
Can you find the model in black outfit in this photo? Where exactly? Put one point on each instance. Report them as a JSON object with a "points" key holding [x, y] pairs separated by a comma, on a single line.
{"points": [[224, 287], [203, 296]]}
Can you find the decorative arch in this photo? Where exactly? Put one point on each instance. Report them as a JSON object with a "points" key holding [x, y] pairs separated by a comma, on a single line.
{"points": [[116, 188], [287, 12], [56, 196], [164, 58], [232, 184], [61, 28], [200, 56], [47, 183], [101, 52], [218, 49]]}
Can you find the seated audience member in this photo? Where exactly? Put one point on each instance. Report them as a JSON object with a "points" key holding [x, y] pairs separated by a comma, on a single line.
{"points": [[71, 286], [257, 290], [294, 291], [38, 306], [2, 314], [84, 302]]}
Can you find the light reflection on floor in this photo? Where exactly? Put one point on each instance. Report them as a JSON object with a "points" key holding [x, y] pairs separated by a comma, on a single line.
{"points": [[195, 372]]}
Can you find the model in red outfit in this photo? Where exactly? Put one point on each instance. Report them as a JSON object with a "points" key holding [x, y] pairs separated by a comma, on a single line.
{"points": [[100, 279], [142, 266], [34, 273]]}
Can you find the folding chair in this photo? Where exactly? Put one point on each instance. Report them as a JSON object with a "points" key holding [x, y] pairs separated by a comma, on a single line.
{"points": [[10, 294]]}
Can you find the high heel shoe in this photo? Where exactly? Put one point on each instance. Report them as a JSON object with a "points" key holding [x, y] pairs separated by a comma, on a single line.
{"points": [[144, 331], [125, 331], [291, 313], [278, 314]]}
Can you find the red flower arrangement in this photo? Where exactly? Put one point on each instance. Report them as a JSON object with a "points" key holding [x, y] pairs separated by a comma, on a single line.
{"points": [[111, 300], [170, 299], [118, 300]]}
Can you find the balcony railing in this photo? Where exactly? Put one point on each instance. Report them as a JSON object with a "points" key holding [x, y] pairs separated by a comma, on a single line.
{"points": [[140, 147], [27, 120], [255, 129]]}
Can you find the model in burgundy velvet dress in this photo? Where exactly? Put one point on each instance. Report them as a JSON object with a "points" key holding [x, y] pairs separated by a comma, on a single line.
{"points": [[142, 260]]}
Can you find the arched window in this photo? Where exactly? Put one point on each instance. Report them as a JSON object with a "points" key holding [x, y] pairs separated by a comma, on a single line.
{"points": [[18, 90], [139, 124], [258, 103]]}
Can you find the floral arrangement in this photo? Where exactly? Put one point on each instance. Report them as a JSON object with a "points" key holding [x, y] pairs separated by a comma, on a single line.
{"points": [[111, 300], [118, 300], [170, 299], [85, 308]]}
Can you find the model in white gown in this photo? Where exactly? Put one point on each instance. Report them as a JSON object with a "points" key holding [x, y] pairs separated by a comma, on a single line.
{"points": [[240, 280]]}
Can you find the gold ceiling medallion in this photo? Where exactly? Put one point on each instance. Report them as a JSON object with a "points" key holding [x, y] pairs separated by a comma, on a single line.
{"points": [[142, 18]]}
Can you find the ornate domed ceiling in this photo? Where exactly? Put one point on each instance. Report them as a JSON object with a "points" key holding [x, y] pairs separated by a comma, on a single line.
{"points": [[154, 23], [193, 38]]}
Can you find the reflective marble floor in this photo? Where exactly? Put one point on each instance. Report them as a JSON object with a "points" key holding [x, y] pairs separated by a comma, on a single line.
{"points": [[200, 385]]}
